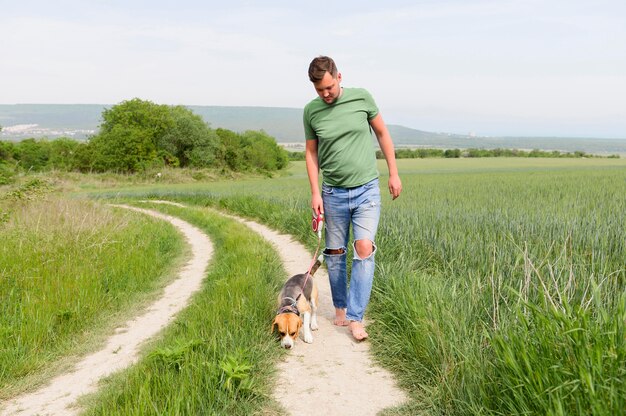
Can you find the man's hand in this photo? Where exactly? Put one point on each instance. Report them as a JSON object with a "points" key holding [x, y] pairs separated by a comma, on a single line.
{"points": [[395, 186], [317, 204]]}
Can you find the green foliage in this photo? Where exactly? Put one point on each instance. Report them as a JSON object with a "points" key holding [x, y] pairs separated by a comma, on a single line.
{"points": [[122, 149], [299, 156], [128, 137], [6, 174], [230, 153], [137, 134], [84, 157], [235, 375], [251, 151], [36, 155], [33, 154], [261, 152], [7, 162], [452, 153], [421, 153], [63, 154], [189, 140], [7, 151], [174, 356], [33, 189], [146, 116]]}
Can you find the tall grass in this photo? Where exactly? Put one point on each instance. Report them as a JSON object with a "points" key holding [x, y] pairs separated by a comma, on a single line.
{"points": [[66, 269], [217, 356], [500, 284], [518, 306]]}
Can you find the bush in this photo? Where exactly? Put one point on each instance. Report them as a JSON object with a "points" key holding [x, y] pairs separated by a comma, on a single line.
{"points": [[452, 153], [33, 154], [6, 174], [189, 140], [252, 150], [63, 154], [229, 153], [7, 151], [122, 149], [261, 151]]}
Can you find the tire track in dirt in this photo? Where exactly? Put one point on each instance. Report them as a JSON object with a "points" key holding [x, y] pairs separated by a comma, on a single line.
{"points": [[58, 397]]}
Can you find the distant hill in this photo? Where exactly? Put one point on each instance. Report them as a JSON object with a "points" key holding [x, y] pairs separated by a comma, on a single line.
{"points": [[285, 124], [20, 121], [53, 116]]}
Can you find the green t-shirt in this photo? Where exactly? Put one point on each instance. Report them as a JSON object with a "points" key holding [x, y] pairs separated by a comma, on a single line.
{"points": [[345, 148]]}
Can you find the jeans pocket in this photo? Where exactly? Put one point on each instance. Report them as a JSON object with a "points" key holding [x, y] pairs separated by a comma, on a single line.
{"points": [[326, 189]]}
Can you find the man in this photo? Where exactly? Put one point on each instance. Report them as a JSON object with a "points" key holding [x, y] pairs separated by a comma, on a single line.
{"points": [[339, 143]]}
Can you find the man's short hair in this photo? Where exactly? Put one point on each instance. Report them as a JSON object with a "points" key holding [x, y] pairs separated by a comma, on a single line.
{"points": [[320, 66]]}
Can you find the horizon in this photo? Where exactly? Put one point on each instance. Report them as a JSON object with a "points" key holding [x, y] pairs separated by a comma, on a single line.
{"points": [[4, 127], [489, 68]]}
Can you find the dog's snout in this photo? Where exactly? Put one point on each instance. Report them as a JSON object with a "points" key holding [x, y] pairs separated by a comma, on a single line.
{"points": [[287, 346]]}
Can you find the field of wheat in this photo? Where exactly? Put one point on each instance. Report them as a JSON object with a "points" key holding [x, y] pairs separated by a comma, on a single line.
{"points": [[500, 287]]}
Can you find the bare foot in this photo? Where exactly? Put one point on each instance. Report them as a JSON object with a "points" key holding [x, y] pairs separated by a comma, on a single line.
{"points": [[340, 317], [358, 330]]}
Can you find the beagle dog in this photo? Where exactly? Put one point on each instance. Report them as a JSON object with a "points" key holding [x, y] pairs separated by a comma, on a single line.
{"points": [[297, 299]]}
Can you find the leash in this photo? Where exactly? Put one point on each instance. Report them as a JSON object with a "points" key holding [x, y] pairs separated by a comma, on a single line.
{"points": [[318, 226]]}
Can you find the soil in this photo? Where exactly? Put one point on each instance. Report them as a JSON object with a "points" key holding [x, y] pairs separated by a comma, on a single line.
{"points": [[333, 375]]}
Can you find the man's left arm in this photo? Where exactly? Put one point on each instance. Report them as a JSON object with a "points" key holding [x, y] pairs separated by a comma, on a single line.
{"points": [[386, 145]]}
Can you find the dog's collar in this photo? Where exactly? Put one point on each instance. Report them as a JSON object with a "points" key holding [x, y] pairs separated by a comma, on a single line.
{"points": [[289, 308]]}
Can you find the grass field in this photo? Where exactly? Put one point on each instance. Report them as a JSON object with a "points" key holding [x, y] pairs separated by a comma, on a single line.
{"points": [[68, 271], [500, 284], [500, 287]]}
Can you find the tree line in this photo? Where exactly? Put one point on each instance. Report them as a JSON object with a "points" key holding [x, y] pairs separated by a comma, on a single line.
{"points": [[472, 153], [423, 153], [137, 135]]}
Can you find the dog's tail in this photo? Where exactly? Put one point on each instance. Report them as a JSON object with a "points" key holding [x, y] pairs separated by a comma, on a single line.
{"points": [[317, 264]]}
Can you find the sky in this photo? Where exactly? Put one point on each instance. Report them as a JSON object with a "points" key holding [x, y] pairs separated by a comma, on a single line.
{"points": [[484, 67]]}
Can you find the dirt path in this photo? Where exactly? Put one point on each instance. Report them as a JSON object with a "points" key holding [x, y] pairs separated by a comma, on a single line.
{"points": [[334, 375], [121, 349]]}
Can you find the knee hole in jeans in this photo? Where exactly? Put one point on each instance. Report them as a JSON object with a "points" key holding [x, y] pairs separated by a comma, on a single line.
{"points": [[364, 248], [335, 251]]}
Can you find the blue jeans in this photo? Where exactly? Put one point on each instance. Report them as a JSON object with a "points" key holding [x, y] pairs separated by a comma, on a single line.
{"points": [[358, 207]]}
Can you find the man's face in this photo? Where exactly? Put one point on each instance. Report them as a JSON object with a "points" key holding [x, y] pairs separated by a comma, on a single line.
{"points": [[328, 88]]}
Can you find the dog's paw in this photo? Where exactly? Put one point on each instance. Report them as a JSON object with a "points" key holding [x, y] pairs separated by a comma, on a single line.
{"points": [[308, 337], [314, 326]]}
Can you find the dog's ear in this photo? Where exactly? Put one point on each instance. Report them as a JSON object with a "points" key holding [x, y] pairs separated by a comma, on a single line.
{"points": [[274, 325]]}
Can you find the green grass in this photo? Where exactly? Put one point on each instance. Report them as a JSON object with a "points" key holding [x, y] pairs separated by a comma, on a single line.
{"points": [[500, 289], [68, 271], [218, 355], [500, 283]]}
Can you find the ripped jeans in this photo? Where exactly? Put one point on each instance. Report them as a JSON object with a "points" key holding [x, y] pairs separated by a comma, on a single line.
{"points": [[358, 207]]}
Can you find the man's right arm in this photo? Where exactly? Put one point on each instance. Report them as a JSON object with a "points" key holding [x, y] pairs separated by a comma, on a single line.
{"points": [[312, 170]]}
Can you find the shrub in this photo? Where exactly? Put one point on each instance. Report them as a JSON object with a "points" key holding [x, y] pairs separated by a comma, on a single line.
{"points": [[189, 140], [33, 154], [122, 149], [63, 153]]}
